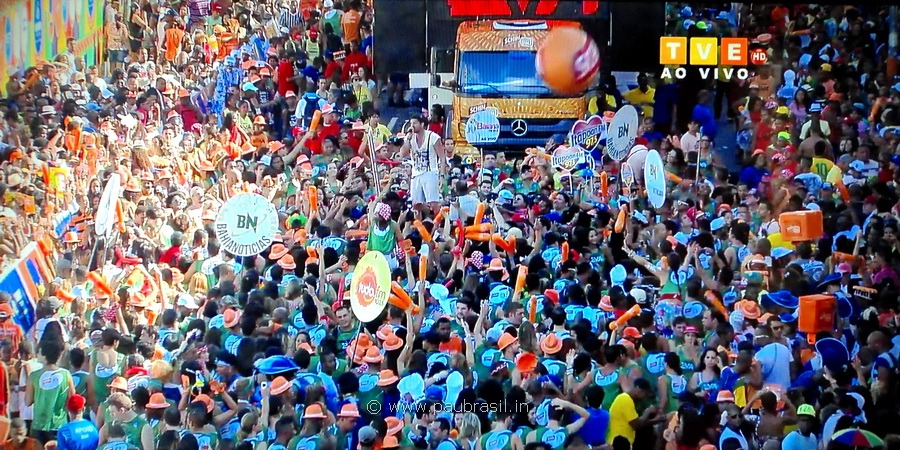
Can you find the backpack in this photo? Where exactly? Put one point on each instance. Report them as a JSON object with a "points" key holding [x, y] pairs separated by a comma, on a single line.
{"points": [[312, 105]]}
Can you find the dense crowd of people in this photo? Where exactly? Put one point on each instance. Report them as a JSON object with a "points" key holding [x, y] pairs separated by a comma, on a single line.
{"points": [[531, 308]]}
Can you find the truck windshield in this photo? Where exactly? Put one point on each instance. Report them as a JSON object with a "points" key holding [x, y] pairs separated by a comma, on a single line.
{"points": [[500, 74]]}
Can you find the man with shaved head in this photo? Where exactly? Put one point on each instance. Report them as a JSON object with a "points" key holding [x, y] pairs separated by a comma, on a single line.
{"points": [[885, 362]]}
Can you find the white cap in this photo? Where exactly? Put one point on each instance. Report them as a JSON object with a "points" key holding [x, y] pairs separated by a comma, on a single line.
{"points": [[639, 295], [187, 301]]}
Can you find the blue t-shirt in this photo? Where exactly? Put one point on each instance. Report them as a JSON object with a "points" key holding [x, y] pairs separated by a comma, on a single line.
{"points": [[796, 441], [704, 116], [775, 363], [78, 435], [752, 176], [666, 96], [594, 430]]}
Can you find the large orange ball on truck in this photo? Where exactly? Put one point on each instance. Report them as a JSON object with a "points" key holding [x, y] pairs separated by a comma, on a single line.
{"points": [[568, 61]]}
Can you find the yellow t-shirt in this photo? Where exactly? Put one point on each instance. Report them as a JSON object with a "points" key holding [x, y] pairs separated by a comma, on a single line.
{"points": [[621, 413], [594, 109], [822, 167], [636, 97]]}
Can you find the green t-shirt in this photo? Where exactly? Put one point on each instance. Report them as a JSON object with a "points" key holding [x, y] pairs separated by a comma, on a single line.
{"points": [[104, 375], [51, 390], [556, 439], [369, 392], [381, 240], [133, 429], [497, 440]]}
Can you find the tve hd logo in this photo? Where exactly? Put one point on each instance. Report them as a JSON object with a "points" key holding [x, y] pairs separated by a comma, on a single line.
{"points": [[732, 54]]}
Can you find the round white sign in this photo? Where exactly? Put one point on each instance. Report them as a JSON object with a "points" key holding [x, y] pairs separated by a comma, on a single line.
{"points": [[655, 179], [483, 127], [246, 224], [622, 132]]}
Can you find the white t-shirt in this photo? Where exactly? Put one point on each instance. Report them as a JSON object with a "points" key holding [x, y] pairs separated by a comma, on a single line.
{"points": [[690, 142]]}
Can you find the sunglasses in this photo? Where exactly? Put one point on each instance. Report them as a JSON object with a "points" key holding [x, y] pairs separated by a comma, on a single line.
{"points": [[734, 416]]}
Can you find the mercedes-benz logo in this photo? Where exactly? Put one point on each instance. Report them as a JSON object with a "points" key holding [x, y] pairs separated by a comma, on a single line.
{"points": [[519, 127]]}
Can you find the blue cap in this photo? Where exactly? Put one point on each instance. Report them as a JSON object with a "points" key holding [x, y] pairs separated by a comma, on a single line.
{"points": [[275, 364], [717, 224], [639, 216], [895, 159], [505, 194], [248, 86], [553, 216], [687, 11], [781, 252]]}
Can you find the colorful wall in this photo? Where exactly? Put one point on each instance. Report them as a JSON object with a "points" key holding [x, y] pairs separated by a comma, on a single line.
{"points": [[33, 31]]}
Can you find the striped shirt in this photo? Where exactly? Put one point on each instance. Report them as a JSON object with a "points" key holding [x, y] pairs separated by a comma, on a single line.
{"points": [[290, 20]]}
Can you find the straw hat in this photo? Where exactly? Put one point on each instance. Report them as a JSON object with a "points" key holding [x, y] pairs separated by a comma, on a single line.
{"points": [[384, 331], [132, 186], [551, 344], [119, 383], [386, 378], [287, 262], [506, 340], [314, 411], [203, 398], [277, 252], [232, 318], [373, 355], [349, 410], [158, 401], [394, 425], [749, 308], [279, 385], [392, 342]]}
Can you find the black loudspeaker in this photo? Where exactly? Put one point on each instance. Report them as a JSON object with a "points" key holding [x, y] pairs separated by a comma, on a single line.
{"points": [[399, 30], [635, 33]]}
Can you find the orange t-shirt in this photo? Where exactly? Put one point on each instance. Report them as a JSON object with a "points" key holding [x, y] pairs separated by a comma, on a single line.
{"points": [[258, 140], [350, 25], [173, 42]]}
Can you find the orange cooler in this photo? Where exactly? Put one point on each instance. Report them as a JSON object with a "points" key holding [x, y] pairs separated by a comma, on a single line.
{"points": [[816, 313], [801, 225]]}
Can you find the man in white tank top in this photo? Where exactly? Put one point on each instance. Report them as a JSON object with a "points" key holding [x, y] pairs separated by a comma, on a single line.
{"points": [[429, 164]]}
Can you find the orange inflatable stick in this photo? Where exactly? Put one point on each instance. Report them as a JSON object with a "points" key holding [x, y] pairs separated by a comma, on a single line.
{"points": [[620, 219], [532, 308], [621, 321], [714, 301], [426, 236], [564, 252], [65, 295], [120, 217], [673, 178], [393, 299], [313, 199], [480, 237], [604, 183], [511, 244], [520, 278], [99, 283], [356, 234], [498, 241], [479, 228], [479, 213], [842, 189], [423, 267], [440, 215], [316, 118]]}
